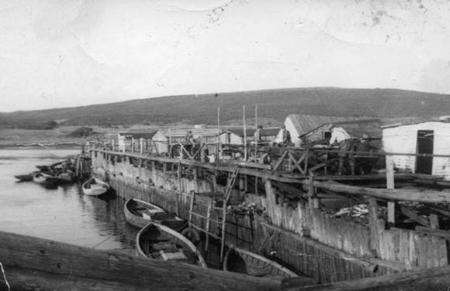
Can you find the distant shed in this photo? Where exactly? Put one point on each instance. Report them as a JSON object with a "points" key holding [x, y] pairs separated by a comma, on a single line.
{"points": [[342, 130], [134, 140], [300, 124], [164, 137], [236, 135], [431, 137]]}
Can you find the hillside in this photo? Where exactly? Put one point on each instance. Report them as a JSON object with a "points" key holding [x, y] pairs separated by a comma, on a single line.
{"points": [[272, 104]]}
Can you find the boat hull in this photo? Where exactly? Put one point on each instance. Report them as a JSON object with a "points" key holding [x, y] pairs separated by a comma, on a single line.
{"points": [[94, 187], [24, 178], [139, 213], [242, 261], [160, 242]]}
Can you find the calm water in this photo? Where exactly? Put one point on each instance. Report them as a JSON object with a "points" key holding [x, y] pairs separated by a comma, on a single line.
{"points": [[62, 214]]}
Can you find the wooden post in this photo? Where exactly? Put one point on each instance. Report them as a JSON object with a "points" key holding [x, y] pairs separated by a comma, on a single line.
{"points": [[245, 132], [256, 128], [153, 172], [373, 226], [434, 221], [241, 184], [390, 185], [191, 207], [208, 219], [312, 197], [245, 183], [256, 186], [215, 181], [218, 156], [177, 204], [132, 144], [141, 145]]}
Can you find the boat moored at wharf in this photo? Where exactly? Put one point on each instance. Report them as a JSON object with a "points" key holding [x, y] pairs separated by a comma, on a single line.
{"points": [[140, 213], [291, 215]]}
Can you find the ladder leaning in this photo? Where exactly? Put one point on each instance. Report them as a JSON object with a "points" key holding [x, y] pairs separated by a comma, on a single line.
{"points": [[228, 190]]}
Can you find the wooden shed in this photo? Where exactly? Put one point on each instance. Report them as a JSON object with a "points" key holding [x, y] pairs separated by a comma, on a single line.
{"points": [[135, 141], [341, 130], [432, 137], [235, 136], [300, 124], [164, 137]]}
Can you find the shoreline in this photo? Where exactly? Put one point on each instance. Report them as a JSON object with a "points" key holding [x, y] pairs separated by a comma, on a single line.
{"points": [[31, 146]]}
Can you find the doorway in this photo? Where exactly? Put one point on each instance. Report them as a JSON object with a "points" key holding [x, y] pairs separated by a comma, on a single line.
{"points": [[425, 140]]}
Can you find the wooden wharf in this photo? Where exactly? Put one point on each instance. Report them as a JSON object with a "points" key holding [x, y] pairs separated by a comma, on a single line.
{"points": [[288, 220]]}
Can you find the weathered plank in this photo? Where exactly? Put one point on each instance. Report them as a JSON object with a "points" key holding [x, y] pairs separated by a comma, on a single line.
{"points": [[432, 279]]}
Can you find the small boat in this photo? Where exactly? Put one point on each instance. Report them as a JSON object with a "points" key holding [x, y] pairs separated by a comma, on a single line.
{"points": [[242, 261], [25, 177], [139, 213], [160, 242], [62, 178], [41, 178], [94, 187]]}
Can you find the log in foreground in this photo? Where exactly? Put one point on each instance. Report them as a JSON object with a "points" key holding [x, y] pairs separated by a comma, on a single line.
{"points": [[424, 279], [50, 265]]}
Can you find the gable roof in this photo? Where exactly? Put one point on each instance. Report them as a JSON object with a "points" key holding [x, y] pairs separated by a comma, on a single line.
{"points": [[145, 135], [304, 123], [181, 132], [239, 131], [356, 128]]}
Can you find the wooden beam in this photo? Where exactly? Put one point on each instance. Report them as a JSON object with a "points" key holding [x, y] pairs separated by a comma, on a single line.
{"points": [[66, 261], [432, 279], [395, 195], [414, 216], [435, 232]]}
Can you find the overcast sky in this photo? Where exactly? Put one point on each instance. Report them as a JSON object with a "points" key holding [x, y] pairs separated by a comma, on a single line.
{"points": [[68, 53]]}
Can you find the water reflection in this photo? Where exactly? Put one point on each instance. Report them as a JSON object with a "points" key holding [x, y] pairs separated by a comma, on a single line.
{"points": [[62, 213]]}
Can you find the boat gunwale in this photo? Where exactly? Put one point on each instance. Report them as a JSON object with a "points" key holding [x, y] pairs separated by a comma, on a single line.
{"points": [[200, 260], [284, 270], [97, 181]]}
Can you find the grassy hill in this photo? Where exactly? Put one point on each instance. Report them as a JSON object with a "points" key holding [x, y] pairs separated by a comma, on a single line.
{"points": [[272, 104]]}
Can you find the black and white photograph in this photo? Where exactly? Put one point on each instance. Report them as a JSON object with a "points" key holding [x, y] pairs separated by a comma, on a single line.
{"points": [[225, 145]]}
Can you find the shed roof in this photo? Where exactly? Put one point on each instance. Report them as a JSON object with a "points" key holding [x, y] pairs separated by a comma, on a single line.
{"points": [[181, 132], [239, 131], [305, 123], [145, 135], [355, 128], [413, 122]]}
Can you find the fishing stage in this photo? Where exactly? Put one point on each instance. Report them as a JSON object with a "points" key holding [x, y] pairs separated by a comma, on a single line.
{"points": [[277, 210]]}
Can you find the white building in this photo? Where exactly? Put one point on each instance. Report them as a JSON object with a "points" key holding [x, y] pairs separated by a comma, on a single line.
{"points": [[300, 124], [235, 136], [431, 137], [164, 137]]}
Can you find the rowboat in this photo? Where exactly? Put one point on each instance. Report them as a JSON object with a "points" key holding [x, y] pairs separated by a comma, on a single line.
{"points": [[160, 242], [94, 187], [139, 213], [242, 261], [62, 178], [41, 178], [25, 177]]}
